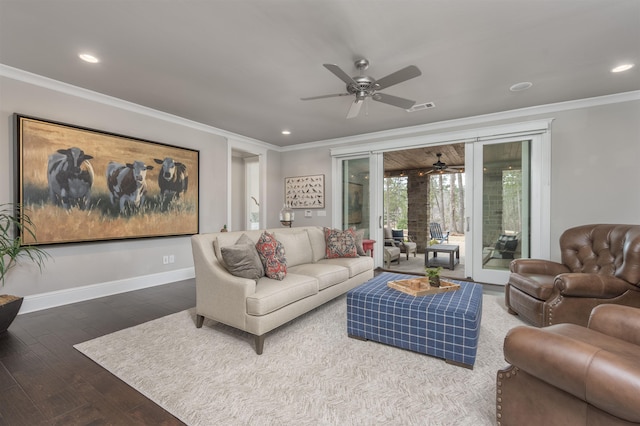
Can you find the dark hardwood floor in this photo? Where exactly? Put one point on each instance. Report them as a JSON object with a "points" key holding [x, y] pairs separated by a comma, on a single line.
{"points": [[45, 381]]}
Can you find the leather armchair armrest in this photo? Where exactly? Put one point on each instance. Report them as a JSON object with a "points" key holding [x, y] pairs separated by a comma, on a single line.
{"points": [[622, 322], [592, 374], [537, 266], [590, 285], [550, 357]]}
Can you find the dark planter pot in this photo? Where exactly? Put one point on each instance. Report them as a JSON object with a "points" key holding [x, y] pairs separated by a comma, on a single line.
{"points": [[9, 307], [434, 281]]}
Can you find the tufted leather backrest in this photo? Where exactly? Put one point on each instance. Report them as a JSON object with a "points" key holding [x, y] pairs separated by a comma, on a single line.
{"points": [[603, 249]]}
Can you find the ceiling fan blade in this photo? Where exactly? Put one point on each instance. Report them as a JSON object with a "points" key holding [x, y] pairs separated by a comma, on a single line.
{"points": [[404, 74], [394, 100], [337, 71], [355, 108], [325, 96]]}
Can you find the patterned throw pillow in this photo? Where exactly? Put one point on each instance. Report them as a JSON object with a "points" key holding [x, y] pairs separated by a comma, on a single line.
{"points": [[271, 252], [340, 243]]}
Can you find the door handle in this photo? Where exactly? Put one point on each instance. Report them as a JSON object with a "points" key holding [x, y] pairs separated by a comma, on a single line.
{"points": [[468, 227]]}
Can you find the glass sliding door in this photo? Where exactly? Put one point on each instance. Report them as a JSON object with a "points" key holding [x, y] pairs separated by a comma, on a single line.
{"points": [[355, 195], [359, 188], [503, 215]]}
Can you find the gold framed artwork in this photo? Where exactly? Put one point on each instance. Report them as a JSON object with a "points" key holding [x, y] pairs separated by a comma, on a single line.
{"points": [[84, 185], [304, 192]]}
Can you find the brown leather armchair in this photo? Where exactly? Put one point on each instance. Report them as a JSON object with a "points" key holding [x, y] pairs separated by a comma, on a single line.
{"points": [[566, 374], [600, 264]]}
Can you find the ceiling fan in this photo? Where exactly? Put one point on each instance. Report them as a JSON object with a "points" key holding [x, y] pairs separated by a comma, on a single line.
{"points": [[363, 86], [440, 166]]}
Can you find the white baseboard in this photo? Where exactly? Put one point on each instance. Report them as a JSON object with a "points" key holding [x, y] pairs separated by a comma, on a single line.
{"points": [[52, 299]]}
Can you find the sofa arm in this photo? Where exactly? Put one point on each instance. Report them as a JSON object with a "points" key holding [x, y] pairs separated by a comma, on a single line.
{"points": [[599, 377], [622, 322], [537, 266], [590, 285], [219, 295]]}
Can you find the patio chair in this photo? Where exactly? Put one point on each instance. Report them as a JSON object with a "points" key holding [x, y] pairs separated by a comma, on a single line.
{"points": [[505, 248], [436, 233]]}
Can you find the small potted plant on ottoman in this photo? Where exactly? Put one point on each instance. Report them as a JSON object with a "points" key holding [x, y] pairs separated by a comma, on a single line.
{"points": [[14, 223], [434, 276]]}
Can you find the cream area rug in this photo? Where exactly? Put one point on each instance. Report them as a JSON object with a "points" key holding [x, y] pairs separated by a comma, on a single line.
{"points": [[311, 372]]}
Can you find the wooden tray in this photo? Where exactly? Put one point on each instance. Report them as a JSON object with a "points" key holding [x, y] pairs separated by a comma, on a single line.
{"points": [[410, 286]]}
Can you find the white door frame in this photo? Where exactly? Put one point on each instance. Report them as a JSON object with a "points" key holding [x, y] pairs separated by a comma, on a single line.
{"points": [[538, 214], [540, 179], [261, 153]]}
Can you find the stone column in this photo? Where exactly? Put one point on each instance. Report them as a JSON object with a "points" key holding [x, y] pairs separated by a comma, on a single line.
{"points": [[418, 207]]}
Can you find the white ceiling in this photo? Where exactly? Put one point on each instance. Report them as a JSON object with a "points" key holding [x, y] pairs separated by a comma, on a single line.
{"points": [[243, 65]]}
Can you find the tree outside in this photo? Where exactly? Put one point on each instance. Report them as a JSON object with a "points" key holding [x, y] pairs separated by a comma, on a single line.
{"points": [[446, 201]]}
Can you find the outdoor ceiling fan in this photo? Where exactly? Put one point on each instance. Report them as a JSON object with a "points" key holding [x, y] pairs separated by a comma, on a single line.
{"points": [[440, 166], [363, 86]]}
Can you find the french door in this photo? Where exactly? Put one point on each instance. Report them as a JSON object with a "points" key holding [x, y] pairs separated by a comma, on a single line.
{"points": [[505, 199], [360, 190], [507, 196]]}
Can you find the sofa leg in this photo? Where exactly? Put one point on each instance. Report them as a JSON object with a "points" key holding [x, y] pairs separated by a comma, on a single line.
{"points": [[511, 311], [259, 344], [199, 321]]}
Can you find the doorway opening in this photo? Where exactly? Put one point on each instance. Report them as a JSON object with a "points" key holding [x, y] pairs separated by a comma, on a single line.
{"points": [[423, 187]]}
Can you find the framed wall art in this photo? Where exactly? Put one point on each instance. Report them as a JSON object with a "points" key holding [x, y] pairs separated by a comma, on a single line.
{"points": [[304, 192], [81, 185]]}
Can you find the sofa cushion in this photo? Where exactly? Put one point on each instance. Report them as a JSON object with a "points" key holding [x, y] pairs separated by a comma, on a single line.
{"points": [[271, 295], [272, 254], [355, 265], [242, 259], [326, 274], [297, 247], [535, 285], [318, 243], [340, 243]]}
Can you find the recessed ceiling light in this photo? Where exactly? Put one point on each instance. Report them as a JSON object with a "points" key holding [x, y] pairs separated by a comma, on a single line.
{"points": [[286, 132], [623, 67], [88, 58], [519, 87]]}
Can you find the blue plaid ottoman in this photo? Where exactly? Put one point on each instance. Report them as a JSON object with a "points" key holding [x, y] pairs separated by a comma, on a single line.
{"points": [[444, 325]]}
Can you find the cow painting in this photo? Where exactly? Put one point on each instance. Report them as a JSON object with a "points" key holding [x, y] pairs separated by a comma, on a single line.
{"points": [[127, 185], [70, 178], [173, 179]]}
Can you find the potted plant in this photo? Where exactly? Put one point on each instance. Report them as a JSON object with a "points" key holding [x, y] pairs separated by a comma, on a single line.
{"points": [[434, 276], [14, 223]]}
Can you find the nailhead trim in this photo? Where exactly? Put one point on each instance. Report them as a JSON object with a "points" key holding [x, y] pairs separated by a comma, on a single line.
{"points": [[510, 374]]}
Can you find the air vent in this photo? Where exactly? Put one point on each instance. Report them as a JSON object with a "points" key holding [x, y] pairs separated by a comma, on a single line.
{"points": [[420, 107]]}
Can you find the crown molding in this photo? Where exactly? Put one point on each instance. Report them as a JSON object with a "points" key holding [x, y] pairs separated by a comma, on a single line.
{"points": [[48, 83], [90, 95], [414, 131]]}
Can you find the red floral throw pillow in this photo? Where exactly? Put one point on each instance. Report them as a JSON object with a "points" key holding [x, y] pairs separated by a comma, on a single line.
{"points": [[340, 243], [271, 253]]}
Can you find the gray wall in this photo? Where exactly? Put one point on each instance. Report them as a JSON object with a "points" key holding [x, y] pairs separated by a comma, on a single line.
{"points": [[595, 152], [76, 265]]}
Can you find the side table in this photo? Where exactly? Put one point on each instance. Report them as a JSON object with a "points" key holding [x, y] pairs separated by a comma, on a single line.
{"points": [[368, 245]]}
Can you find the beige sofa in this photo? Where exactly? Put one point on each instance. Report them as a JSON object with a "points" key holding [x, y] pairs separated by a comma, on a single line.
{"points": [[258, 307]]}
